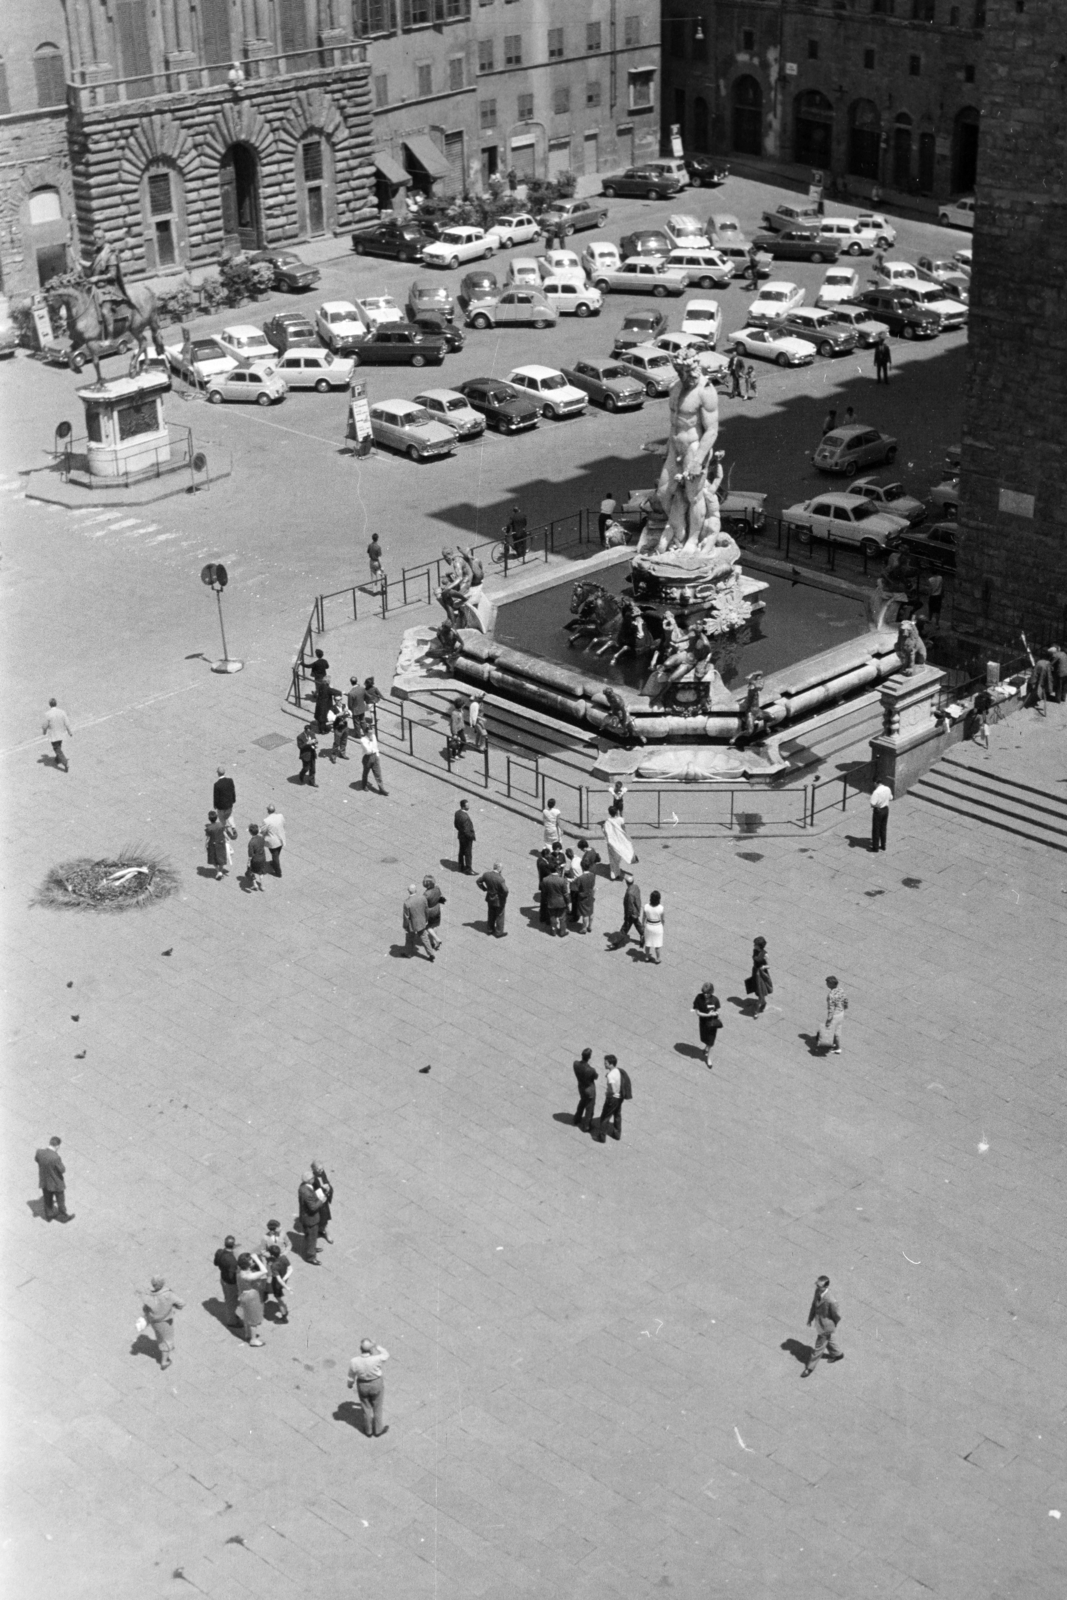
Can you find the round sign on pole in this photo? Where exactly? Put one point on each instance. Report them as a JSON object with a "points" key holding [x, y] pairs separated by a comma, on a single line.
{"points": [[215, 575], [63, 430], [199, 462]]}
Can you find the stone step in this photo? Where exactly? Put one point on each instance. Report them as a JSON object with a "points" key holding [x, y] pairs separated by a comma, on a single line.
{"points": [[1002, 803]]}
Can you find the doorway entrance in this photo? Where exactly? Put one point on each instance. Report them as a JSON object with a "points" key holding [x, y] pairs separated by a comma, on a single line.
{"points": [[239, 188], [490, 162]]}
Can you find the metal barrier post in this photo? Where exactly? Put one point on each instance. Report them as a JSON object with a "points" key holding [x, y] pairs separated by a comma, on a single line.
{"points": [[485, 762], [507, 776], [731, 811], [404, 585], [411, 738], [814, 798], [385, 596], [355, 612], [844, 792], [296, 687]]}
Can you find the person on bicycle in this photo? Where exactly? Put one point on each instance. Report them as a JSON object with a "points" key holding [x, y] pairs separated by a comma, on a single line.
{"points": [[517, 533]]}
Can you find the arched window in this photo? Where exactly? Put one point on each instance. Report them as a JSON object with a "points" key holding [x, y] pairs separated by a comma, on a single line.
{"points": [[902, 152], [314, 184], [864, 133], [700, 124], [44, 206], [964, 150], [746, 121], [51, 75], [813, 121], [163, 214]]}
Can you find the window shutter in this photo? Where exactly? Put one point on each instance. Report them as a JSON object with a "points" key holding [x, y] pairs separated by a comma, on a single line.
{"points": [[51, 77], [159, 194], [135, 52], [313, 161]]}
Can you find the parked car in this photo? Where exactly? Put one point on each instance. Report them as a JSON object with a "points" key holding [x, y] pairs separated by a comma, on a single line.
{"points": [[851, 239], [551, 391], [432, 297], [501, 406], [404, 241], [340, 325], [651, 367], [290, 273], [257, 383], [433, 323], [639, 327], [565, 217], [703, 317], [572, 299], [802, 214], [898, 311], [797, 244], [866, 329], [606, 384], [675, 167], [770, 344], [287, 329], [945, 270], [946, 496], [964, 258], [198, 360], [848, 449], [742, 511], [644, 183], [407, 426], [890, 497], [640, 276], [703, 269], [517, 227], [885, 233], [459, 244], [934, 546], [523, 269], [724, 228], [651, 243], [893, 274], [958, 213], [738, 257], [950, 311], [599, 253], [846, 518], [828, 336], [716, 366], [517, 305], [454, 410], [706, 172], [246, 343], [303, 368], [561, 264], [378, 309], [399, 344], [774, 300], [840, 283], [685, 232], [480, 285]]}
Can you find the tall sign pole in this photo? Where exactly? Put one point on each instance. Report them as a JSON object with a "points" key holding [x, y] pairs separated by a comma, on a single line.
{"points": [[216, 578]]}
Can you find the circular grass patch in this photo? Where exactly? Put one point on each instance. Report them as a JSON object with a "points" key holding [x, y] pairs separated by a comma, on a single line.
{"points": [[134, 878]]}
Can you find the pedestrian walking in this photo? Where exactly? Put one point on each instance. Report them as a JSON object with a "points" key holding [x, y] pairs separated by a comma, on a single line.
{"points": [[706, 1005], [307, 742], [272, 829], [631, 913], [56, 727], [517, 532], [983, 705], [416, 922], [495, 890], [372, 761], [829, 422], [251, 1289], [546, 863], [323, 699], [829, 1036], [365, 1375], [555, 901], [309, 1203], [457, 730], [589, 859], [476, 722], [463, 823], [759, 983], [849, 418], [735, 367], [257, 858], [158, 1312], [608, 507], [52, 1177], [881, 800], [752, 268], [279, 1272], [325, 1189], [226, 1264], [550, 818], [374, 556], [584, 900], [621, 852], [1058, 662], [342, 727], [652, 920], [357, 702], [616, 1089], [434, 901], [826, 1317], [883, 360], [617, 798], [586, 1074], [223, 795], [750, 383], [217, 843], [935, 594]]}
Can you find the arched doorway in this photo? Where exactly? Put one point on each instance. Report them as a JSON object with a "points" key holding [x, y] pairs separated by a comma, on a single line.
{"points": [[239, 188], [902, 152], [746, 99], [813, 120], [700, 125], [864, 132], [964, 150]]}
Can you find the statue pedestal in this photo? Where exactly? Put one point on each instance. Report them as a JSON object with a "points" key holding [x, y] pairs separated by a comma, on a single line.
{"points": [[124, 423], [912, 739]]}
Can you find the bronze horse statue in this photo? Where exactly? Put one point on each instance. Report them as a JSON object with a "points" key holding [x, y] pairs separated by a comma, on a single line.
{"points": [[594, 611], [91, 320]]}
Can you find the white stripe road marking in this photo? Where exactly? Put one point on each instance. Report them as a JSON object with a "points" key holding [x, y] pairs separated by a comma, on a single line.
{"points": [[127, 522]]}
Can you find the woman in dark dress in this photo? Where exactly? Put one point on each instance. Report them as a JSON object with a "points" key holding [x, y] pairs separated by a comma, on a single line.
{"points": [[706, 1006], [325, 1188], [434, 901], [759, 984]]}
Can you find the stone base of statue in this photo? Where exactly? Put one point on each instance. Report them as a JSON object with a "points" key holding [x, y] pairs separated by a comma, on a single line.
{"points": [[696, 586], [127, 436], [912, 737]]}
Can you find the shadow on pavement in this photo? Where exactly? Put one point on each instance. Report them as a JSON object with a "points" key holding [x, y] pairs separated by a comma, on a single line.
{"points": [[350, 1412], [566, 1117], [217, 1309], [798, 1350], [145, 1345], [857, 841], [695, 1051], [812, 1042]]}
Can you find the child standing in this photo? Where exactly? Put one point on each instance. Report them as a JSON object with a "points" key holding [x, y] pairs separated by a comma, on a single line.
{"points": [[750, 383]]}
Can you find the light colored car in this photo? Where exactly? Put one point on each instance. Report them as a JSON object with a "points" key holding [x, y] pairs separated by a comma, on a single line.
{"points": [[686, 232], [599, 253], [828, 336], [943, 269], [714, 365], [518, 227], [867, 331], [890, 497], [571, 298], [737, 255], [518, 304], [958, 213], [257, 383], [704, 269], [674, 167], [652, 367], [564, 217], [795, 214], [951, 310], [304, 368], [405, 425], [340, 325], [782, 348], [379, 308], [885, 233], [851, 238], [605, 382], [946, 496], [895, 274], [638, 276], [774, 300], [523, 269], [246, 343], [454, 410], [845, 518], [839, 283], [724, 228], [704, 318], [847, 449], [199, 360], [549, 389], [459, 244], [561, 264], [964, 257]]}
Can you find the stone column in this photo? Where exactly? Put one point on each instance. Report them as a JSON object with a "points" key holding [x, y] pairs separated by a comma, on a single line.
{"points": [[912, 737]]}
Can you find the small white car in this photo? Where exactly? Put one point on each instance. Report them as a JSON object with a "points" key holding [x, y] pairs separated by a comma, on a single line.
{"points": [[686, 232], [674, 167], [257, 383], [895, 274], [704, 318], [305, 368], [379, 308], [774, 299], [952, 310], [890, 497], [459, 244], [886, 234], [246, 343], [782, 348], [550, 390], [724, 228], [523, 269], [942, 269], [199, 359], [867, 331], [561, 264], [705, 269], [516, 228], [340, 324], [839, 283], [639, 275], [572, 299], [407, 426], [599, 253], [958, 213], [851, 238], [454, 410], [946, 496], [845, 518]]}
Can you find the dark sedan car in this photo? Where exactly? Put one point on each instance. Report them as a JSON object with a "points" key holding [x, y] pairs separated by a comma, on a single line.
{"points": [[399, 343], [607, 384], [290, 273], [648, 242], [499, 404], [899, 312], [934, 546], [433, 298], [639, 327], [706, 172], [797, 244], [290, 328], [433, 323], [478, 285], [647, 183], [401, 240]]}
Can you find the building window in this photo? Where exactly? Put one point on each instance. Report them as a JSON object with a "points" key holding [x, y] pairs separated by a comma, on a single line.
{"points": [[424, 79], [381, 90], [51, 76], [377, 16], [561, 100], [631, 32], [885, 7], [162, 199], [513, 49], [487, 114], [641, 89], [456, 9], [555, 44], [813, 49], [5, 98], [592, 36], [416, 13], [455, 73], [485, 55], [748, 39], [44, 206], [922, 10], [526, 108], [676, 37], [868, 60], [592, 94], [485, 2], [313, 166], [968, 74], [915, 66], [700, 40]]}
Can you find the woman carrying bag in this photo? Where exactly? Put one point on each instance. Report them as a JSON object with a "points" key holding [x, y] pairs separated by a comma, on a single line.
{"points": [[706, 1006], [759, 984]]}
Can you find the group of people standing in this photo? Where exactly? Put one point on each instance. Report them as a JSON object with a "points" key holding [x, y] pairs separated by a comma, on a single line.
{"points": [[617, 1089], [265, 839], [343, 715]]}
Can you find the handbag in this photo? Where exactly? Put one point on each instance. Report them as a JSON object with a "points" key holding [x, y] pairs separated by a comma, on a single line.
{"points": [[750, 985]]}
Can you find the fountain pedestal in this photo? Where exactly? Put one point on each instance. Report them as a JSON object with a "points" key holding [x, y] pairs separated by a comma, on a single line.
{"points": [[912, 738]]}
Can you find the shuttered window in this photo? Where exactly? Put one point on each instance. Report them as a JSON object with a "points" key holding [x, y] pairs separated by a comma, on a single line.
{"points": [[135, 51], [312, 153], [51, 76], [159, 203]]}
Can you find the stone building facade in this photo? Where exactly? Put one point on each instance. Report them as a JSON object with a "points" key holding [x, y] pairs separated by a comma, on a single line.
{"points": [[1012, 574], [880, 93]]}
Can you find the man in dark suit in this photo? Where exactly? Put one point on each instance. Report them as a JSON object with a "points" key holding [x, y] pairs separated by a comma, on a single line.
{"points": [[495, 890], [587, 1075], [309, 1203], [223, 796], [825, 1315], [584, 900], [631, 913], [555, 898], [464, 826], [51, 1172]]}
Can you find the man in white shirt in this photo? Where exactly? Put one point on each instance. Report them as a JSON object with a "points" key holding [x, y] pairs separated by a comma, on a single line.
{"points": [[607, 512], [611, 1110], [56, 726], [881, 800], [273, 830], [371, 762], [365, 1375]]}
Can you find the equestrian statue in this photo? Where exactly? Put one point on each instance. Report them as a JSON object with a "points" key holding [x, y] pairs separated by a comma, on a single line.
{"points": [[96, 298]]}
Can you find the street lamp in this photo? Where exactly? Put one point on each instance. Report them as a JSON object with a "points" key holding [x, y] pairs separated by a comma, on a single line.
{"points": [[215, 576]]}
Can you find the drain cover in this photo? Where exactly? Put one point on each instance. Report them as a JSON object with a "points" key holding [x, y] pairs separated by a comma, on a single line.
{"points": [[272, 741]]}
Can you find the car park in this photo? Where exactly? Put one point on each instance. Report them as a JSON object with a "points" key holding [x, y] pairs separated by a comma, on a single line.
{"points": [[883, 230], [706, 172], [801, 215], [847, 449], [459, 244], [770, 344], [934, 546], [246, 343], [454, 410], [724, 228], [517, 227], [599, 253], [639, 276], [564, 217], [893, 274], [943, 269], [198, 360], [399, 344], [501, 406], [290, 273], [431, 297], [479, 285], [703, 269], [949, 310], [845, 518], [340, 325], [639, 327], [828, 337], [561, 264], [704, 318], [946, 496], [686, 232], [258, 383], [403, 241], [379, 309], [958, 213], [774, 300], [517, 305], [606, 384], [898, 311], [431, 322], [549, 389], [642, 183], [572, 299], [289, 328], [315, 369], [797, 244], [850, 238], [864, 326], [675, 167], [523, 269], [652, 367], [651, 243], [890, 497], [840, 283], [407, 426]]}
